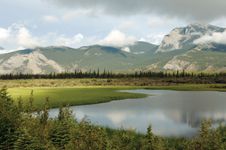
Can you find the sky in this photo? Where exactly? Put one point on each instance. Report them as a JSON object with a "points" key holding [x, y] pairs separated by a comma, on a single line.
{"points": [[76, 23]]}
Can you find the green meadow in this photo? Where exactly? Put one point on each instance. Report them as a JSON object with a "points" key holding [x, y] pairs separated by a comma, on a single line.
{"points": [[90, 91], [71, 96]]}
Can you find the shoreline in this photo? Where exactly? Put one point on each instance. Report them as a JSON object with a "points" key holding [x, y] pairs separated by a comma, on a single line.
{"points": [[87, 95]]}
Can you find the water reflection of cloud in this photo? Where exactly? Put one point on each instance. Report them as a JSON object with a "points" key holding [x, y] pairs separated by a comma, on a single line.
{"points": [[169, 113], [117, 117]]}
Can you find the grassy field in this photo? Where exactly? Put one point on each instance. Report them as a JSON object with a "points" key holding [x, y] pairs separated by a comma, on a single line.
{"points": [[71, 96], [91, 91], [135, 82], [82, 82]]}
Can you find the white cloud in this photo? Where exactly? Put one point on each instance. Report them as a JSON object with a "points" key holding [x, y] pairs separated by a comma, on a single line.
{"points": [[217, 37], [69, 41], [50, 19], [25, 39], [117, 117], [78, 38], [17, 35], [153, 38], [11, 50], [4, 34], [117, 38]]}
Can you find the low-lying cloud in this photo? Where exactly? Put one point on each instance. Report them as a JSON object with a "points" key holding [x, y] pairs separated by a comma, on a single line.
{"points": [[117, 38], [4, 34], [216, 37], [25, 39], [203, 10], [18, 36]]}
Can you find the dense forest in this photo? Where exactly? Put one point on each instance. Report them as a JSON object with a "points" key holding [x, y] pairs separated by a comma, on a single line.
{"points": [[23, 127], [174, 77]]}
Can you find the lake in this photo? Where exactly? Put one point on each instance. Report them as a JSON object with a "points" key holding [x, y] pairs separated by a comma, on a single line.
{"points": [[171, 113]]}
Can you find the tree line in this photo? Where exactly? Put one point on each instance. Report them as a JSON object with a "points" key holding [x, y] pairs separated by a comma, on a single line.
{"points": [[24, 127], [109, 74]]}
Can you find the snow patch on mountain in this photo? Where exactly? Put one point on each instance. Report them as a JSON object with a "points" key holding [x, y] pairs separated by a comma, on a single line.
{"points": [[126, 49]]}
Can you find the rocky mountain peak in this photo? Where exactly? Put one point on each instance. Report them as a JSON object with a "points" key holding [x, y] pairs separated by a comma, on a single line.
{"points": [[180, 38]]}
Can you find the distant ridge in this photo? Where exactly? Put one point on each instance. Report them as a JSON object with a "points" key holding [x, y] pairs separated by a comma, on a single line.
{"points": [[182, 49]]}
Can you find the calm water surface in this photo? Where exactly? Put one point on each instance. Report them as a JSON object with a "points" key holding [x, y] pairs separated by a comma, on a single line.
{"points": [[171, 113]]}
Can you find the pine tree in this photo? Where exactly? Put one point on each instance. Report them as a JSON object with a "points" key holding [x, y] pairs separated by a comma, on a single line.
{"points": [[208, 139], [151, 141], [60, 132], [88, 137], [9, 120], [25, 141]]}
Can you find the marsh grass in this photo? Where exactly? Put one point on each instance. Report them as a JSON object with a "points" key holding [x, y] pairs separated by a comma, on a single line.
{"points": [[71, 96], [61, 92]]}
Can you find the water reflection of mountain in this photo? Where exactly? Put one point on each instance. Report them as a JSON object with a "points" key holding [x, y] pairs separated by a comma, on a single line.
{"points": [[194, 119]]}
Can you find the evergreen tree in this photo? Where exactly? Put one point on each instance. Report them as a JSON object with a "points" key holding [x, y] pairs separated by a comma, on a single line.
{"points": [[88, 137], [9, 120], [25, 141], [60, 132], [152, 142], [208, 139], [124, 140]]}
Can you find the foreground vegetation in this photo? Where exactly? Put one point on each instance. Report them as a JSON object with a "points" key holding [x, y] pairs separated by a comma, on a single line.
{"points": [[21, 129]]}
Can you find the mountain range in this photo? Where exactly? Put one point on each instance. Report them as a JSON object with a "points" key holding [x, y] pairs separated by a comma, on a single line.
{"points": [[196, 48]]}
